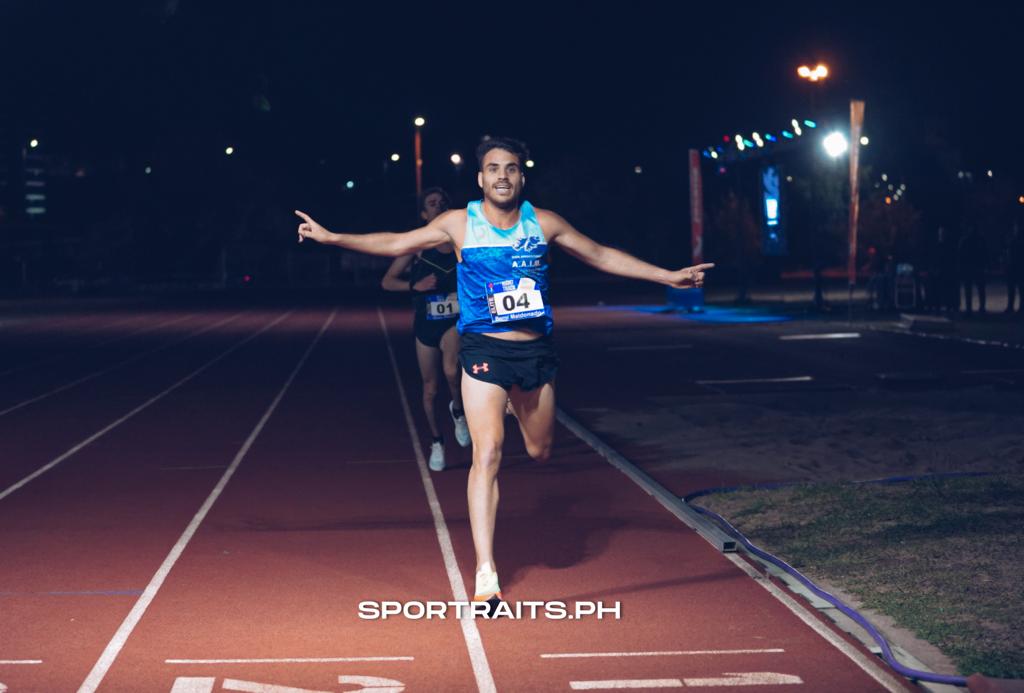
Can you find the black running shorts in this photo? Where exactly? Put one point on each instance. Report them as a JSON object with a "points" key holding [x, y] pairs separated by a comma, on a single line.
{"points": [[429, 332], [506, 363]]}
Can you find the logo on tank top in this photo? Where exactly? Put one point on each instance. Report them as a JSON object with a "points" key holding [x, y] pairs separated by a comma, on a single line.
{"points": [[525, 245]]}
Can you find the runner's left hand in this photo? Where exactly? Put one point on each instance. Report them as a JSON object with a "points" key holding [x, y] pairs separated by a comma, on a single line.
{"points": [[689, 277]]}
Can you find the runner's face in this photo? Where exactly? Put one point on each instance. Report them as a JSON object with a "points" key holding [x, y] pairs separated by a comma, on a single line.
{"points": [[501, 179], [433, 205]]}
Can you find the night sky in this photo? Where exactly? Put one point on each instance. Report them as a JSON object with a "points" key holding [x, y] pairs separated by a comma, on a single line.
{"points": [[316, 93]]}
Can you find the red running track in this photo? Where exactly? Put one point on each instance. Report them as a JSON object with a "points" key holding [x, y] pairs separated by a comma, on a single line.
{"points": [[221, 503]]}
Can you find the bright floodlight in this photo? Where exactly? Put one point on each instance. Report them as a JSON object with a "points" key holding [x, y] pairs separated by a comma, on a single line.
{"points": [[149, 169], [529, 163], [419, 122], [229, 151], [395, 157], [835, 145], [456, 159], [350, 184], [804, 71], [34, 143], [864, 141]]}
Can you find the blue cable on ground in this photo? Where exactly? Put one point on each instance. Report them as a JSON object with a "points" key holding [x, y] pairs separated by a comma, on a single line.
{"points": [[887, 653]]}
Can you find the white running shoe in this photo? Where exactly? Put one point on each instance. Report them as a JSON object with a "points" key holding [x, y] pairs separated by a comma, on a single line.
{"points": [[461, 427], [436, 462], [487, 587]]}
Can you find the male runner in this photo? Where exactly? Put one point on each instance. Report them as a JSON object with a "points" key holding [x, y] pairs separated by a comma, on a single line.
{"points": [[505, 320], [432, 280]]}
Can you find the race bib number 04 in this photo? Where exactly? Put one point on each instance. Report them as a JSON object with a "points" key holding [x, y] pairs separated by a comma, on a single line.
{"points": [[509, 301], [442, 306]]}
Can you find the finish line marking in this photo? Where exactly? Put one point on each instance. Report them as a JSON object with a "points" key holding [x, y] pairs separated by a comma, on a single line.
{"points": [[673, 653], [748, 381], [823, 335], [290, 660]]}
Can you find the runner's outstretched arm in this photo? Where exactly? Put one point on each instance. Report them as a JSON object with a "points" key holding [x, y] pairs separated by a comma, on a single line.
{"points": [[614, 261], [383, 243]]}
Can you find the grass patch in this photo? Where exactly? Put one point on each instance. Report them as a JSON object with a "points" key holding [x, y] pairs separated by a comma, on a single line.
{"points": [[944, 557]]}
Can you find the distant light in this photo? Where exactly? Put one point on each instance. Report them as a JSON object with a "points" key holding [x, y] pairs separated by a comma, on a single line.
{"points": [[1021, 199], [864, 141], [748, 143], [350, 184], [419, 122], [810, 124], [989, 172], [725, 138], [247, 278], [33, 143], [959, 174], [770, 137], [756, 136], [796, 127], [789, 179], [888, 200], [885, 177], [739, 143], [229, 151], [456, 159], [835, 144], [787, 134], [638, 170], [891, 186], [822, 70], [395, 157], [903, 187], [804, 71], [529, 163], [149, 169], [714, 154]]}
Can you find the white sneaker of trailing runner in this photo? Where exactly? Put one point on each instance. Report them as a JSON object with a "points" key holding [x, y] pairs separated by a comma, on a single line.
{"points": [[461, 427], [436, 462], [487, 587]]}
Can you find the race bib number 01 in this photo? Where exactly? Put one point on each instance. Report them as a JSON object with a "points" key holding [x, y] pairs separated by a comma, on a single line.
{"points": [[508, 301], [442, 306]]}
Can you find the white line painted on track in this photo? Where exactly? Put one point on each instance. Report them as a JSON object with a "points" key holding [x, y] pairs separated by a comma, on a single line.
{"points": [[751, 381], [113, 648], [750, 678], [871, 667], [470, 633], [53, 463], [21, 661], [194, 684], [624, 683], [822, 335], [253, 687], [652, 347], [669, 653], [290, 660], [96, 374], [184, 469]]}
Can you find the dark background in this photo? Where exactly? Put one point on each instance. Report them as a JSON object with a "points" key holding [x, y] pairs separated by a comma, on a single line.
{"points": [[314, 94]]}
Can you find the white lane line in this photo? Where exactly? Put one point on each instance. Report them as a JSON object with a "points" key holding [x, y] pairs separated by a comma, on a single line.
{"points": [[53, 463], [749, 678], [131, 359], [652, 347], [470, 633], [868, 665], [822, 335], [670, 653], [748, 381], [113, 648], [254, 687], [290, 660], [21, 661], [182, 469], [624, 683]]}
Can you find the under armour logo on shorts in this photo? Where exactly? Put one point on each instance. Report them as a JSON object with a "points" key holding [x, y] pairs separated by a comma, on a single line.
{"points": [[481, 367]]}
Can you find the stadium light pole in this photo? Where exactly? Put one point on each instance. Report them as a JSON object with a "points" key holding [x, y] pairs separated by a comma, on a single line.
{"points": [[419, 122]]}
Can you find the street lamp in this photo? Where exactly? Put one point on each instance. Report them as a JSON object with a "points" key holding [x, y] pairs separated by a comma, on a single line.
{"points": [[835, 145], [456, 159], [395, 157], [814, 75], [419, 122]]}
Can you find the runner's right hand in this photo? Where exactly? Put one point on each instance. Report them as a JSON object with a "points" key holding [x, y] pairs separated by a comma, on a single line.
{"points": [[310, 229], [426, 284]]}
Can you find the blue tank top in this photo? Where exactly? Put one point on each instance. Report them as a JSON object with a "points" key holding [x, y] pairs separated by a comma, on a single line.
{"points": [[492, 258]]}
